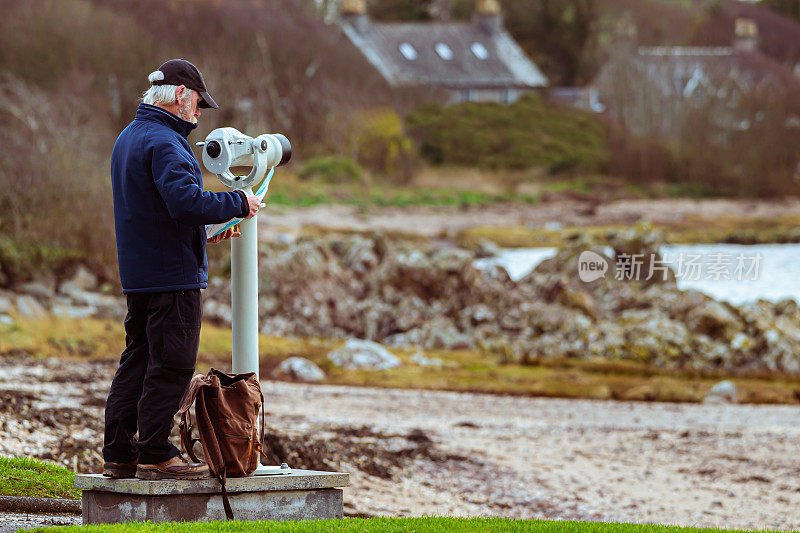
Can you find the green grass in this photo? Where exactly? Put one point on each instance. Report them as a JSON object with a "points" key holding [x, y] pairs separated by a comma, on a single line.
{"points": [[388, 196], [23, 476], [417, 525]]}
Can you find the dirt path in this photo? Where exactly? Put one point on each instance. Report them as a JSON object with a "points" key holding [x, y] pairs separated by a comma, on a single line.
{"points": [[434, 221], [474, 454], [705, 465]]}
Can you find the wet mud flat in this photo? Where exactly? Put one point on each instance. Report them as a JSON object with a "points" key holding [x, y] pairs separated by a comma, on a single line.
{"points": [[425, 452]]}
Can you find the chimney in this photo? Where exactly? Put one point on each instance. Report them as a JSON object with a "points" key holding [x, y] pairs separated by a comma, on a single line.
{"points": [[354, 12], [746, 36], [488, 16]]}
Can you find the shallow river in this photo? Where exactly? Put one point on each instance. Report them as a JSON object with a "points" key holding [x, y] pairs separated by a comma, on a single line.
{"points": [[731, 272]]}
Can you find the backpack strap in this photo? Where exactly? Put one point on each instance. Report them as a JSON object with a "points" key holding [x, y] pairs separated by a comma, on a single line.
{"points": [[187, 442], [214, 458], [226, 504]]}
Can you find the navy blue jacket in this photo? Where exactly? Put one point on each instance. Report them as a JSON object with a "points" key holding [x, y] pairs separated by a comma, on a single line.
{"points": [[160, 208]]}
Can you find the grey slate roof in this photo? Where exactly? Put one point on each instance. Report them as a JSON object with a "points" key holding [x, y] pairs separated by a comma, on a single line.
{"points": [[505, 66]]}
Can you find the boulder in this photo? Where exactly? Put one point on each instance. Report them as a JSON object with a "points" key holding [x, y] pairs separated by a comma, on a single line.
{"points": [[6, 302], [722, 392], [39, 289], [710, 354], [67, 310], [714, 319], [420, 360], [363, 354], [655, 338], [107, 306], [486, 248], [29, 307], [358, 254], [437, 334], [298, 369], [82, 280], [6, 320], [637, 255], [217, 312]]}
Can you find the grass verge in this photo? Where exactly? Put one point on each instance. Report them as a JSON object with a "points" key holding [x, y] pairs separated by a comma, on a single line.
{"points": [[418, 525], [462, 371], [23, 476]]}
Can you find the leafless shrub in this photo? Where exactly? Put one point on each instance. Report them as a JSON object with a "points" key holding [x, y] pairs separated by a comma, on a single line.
{"points": [[54, 189]]}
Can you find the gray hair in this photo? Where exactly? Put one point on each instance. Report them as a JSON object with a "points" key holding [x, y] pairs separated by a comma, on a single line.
{"points": [[161, 94]]}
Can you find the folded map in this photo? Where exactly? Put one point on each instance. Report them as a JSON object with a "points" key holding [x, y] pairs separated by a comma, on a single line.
{"points": [[215, 229]]}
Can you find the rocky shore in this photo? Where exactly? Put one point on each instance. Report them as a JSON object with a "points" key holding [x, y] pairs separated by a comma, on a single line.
{"points": [[436, 297], [433, 296]]}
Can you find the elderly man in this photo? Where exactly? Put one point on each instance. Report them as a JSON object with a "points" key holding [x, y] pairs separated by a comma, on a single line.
{"points": [[160, 210]]}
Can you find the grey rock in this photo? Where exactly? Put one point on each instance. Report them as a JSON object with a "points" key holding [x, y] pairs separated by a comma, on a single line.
{"points": [[73, 311], [363, 354], [487, 248], [655, 338], [298, 369], [420, 359], [359, 255], [6, 302], [6, 320], [82, 280], [217, 312], [722, 392], [443, 335], [787, 306], [714, 319], [277, 326], [107, 306], [29, 307], [285, 238], [39, 289]]}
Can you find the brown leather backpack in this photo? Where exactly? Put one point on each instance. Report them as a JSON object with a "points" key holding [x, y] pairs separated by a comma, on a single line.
{"points": [[226, 407]]}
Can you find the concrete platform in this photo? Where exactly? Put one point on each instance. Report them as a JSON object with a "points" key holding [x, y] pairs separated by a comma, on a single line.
{"points": [[302, 494]]}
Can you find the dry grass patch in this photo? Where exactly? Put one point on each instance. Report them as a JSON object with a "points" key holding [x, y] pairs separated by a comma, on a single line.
{"points": [[461, 370]]}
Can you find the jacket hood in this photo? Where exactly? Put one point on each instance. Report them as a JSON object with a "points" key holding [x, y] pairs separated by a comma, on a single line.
{"points": [[161, 116]]}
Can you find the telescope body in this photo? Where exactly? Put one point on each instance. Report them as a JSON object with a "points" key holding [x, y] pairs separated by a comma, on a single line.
{"points": [[225, 148]]}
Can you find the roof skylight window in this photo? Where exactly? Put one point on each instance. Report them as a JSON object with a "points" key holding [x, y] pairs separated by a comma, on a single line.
{"points": [[444, 51], [408, 51], [479, 50]]}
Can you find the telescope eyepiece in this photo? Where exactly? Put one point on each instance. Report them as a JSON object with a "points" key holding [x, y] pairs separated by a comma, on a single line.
{"points": [[213, 149], [286, 149]]}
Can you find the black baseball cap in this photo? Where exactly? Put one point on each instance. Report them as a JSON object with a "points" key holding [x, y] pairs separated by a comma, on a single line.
{"points": [[181, 72]]}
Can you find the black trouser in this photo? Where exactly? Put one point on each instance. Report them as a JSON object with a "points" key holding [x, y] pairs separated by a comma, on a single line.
{"points": [[162, 334]]}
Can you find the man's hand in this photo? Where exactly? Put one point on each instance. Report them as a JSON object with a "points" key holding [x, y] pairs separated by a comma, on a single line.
{"points": [[253, 202], [225, 235]]}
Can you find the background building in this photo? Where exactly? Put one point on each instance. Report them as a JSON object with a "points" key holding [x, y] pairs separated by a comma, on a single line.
{"points": [[474, 61]]}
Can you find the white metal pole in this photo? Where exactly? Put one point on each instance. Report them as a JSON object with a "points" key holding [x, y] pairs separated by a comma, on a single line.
{"points": [[244, 297], [244, 304]]}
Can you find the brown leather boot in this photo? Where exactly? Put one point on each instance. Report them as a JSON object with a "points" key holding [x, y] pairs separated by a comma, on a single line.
{"points": [[119, 470], [176, 468]]}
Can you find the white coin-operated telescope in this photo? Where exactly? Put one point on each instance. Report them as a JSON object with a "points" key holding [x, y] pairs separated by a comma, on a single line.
{"points": [[228, 147], [224, 149]]}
